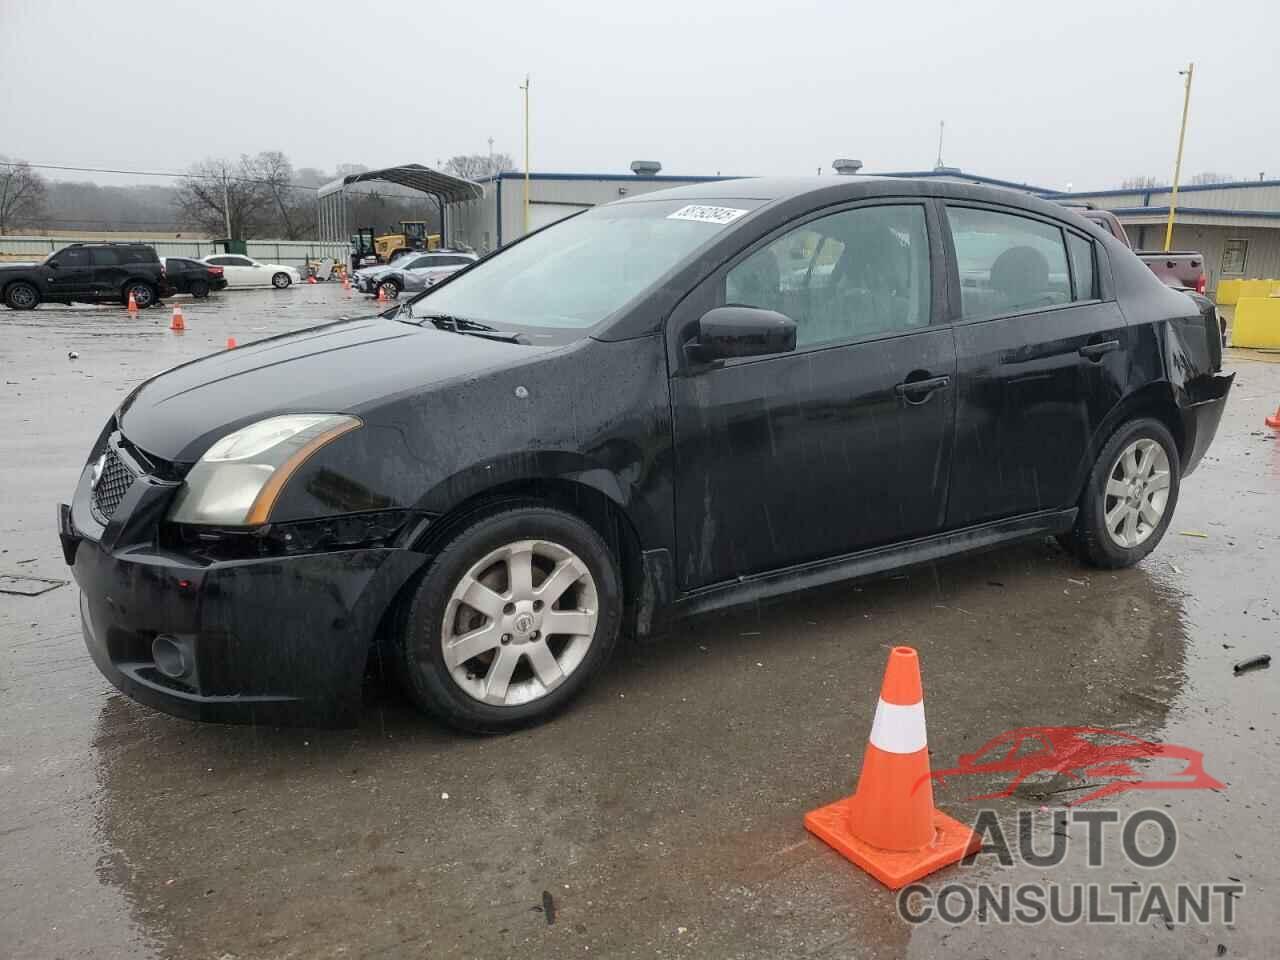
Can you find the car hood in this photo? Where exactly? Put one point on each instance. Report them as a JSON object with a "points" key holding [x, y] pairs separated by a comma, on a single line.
{"points": [[19, 264], [375, 271], [350, 366]]}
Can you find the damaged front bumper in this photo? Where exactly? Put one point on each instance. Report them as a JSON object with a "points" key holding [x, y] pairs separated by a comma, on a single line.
{"points": [[280, 639]]}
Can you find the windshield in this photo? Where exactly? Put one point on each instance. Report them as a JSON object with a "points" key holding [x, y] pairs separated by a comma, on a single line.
{"points": [[576, 273]]}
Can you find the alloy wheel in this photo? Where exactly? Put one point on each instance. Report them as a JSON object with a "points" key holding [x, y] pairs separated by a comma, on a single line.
{"points": [[1137, 493], [519, 622]]}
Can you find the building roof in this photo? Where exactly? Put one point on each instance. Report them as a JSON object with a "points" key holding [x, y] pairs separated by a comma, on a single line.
{"points": [[415, 176], [628, 177]]}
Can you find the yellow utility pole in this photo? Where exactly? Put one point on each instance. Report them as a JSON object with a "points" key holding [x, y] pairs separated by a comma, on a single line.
{"points": [[525, 87], [1177, 166]]}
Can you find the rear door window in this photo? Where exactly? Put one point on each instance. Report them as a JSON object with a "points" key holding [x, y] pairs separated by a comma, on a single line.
{"points": [[1007, 263], [105, 256], [220, 261]]}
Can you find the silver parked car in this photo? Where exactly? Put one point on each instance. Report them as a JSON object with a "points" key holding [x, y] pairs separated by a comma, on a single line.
{"points": [[411, 273]]}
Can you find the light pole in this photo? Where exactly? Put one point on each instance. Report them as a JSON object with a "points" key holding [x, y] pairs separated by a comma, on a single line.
{"points": [[525, 87], [1177, 165]]}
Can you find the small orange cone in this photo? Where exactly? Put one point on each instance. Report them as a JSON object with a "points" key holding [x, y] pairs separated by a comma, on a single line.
{"points": [[177, 324], [382, 294], [133, 304], [231, 343], [311, 279], [1274, 421], [890, 827]]}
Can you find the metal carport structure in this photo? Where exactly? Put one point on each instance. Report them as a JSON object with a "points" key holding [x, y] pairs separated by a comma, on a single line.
{"points": [[331, 199]]}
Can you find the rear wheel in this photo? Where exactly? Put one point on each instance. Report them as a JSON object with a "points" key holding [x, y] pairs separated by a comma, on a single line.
{"points": [[144, 295], [199, 289], [21, 296], [1130, 496], [281, 280], [511, 620]]}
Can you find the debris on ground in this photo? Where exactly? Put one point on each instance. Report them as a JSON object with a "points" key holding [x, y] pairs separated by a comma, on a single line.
{"points": [[1253, 663], [72, 355], [1193, 533], [549, 907], [28, 586]]}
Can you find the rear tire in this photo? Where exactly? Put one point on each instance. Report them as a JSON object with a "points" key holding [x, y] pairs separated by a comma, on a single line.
{"points": [[1130, 496], [21, 296], [144, 295], [577, 577], [199, 289], [281, 280]]}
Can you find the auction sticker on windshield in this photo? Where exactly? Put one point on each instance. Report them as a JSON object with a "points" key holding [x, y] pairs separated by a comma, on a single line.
{"points": [[706, 214]]}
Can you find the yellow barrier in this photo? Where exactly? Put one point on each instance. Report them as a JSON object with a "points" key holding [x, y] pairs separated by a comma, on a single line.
{"points": [[1228, 292], [1233, 291], [1257, 323]]}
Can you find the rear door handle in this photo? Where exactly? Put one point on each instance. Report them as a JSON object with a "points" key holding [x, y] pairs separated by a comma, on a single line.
{"points": [[1095, 351], [917, 391]]}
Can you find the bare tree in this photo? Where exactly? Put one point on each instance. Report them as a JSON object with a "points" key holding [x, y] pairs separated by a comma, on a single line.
{"points": [[295, 207], [22, 193], [1141, 183], [252, 197], [474, 166]]}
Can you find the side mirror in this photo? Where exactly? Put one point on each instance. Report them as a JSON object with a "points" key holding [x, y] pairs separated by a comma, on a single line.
{"points": [[727, 332], [51, 264]]}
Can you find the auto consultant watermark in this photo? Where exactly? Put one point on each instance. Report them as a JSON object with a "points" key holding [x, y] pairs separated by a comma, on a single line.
{"points": [[1148, 839], [1095, 763]]}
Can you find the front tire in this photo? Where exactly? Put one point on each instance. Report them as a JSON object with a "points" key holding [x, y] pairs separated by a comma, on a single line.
{"points": [[21, 296], [281, 280], [512, 619], [1130, 496], [390, 289]]}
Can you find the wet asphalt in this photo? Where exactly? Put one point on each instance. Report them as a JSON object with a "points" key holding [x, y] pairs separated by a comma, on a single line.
{"points": [[661, 815]]}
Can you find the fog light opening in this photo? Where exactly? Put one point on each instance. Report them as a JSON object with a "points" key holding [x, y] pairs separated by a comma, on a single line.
{"points": [[170, 657]]}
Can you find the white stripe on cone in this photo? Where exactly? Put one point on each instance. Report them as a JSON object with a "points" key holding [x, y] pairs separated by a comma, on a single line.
{"points": [[898, 729]]}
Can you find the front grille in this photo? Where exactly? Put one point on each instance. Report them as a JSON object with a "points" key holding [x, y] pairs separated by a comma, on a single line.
{"points": [[114, 483]]}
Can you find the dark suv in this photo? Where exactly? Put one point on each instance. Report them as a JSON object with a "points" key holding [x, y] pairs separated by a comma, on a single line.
{"points": [[86, 273]]}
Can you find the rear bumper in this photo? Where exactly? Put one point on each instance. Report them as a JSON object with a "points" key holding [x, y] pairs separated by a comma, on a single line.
{"points": [[1201, 404], [280, 640]]}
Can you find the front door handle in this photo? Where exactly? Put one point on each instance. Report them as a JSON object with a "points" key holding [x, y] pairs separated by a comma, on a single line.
{"points": [[1095, 351], [918, 391]]}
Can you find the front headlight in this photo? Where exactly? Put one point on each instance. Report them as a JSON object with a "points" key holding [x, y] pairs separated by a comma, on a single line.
{"points": [[239, 478]]}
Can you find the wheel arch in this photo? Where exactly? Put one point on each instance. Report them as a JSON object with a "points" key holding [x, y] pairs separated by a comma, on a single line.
{"points": [[1154, 400], [607, 516]]}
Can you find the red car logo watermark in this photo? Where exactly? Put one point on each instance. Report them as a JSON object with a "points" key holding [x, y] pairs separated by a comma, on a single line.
{"points": [[1087, 754]]}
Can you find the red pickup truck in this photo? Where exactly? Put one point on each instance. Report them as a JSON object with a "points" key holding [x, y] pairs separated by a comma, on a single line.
{"points": [[1177, 268]]}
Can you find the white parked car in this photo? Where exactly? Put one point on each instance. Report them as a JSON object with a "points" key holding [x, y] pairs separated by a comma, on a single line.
{"points": [[242, 271]]}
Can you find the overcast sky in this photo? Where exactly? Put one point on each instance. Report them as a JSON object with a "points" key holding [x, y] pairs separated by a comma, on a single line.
{"points": [[1084, 92]]}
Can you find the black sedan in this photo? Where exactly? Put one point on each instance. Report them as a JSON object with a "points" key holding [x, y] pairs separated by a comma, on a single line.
{"points": [[663, 406], [193, 277]]}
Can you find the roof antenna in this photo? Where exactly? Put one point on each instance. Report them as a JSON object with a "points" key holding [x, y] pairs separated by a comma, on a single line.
{"points": [[942, 128]]}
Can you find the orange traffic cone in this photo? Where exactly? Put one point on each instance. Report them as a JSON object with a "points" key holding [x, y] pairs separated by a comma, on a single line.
{"points": [[133, 304], [1274, 421], [890, 827], [177, 324], [311, 279], [231, 343], [382, 294]]}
